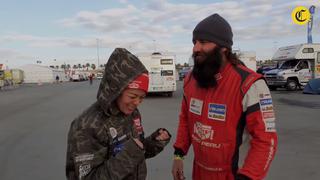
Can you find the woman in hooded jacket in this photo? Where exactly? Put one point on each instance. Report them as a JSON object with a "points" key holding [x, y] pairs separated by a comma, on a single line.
{"points": [[106, 142]]}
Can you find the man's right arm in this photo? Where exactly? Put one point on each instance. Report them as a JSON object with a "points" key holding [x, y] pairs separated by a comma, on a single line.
{"points": [[183, 140]]}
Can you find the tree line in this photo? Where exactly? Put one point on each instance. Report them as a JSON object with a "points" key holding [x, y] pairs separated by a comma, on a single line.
{"points": [[78, 66]]}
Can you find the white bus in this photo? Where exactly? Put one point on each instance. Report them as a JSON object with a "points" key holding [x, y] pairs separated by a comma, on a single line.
{"points": [[162, 72]]}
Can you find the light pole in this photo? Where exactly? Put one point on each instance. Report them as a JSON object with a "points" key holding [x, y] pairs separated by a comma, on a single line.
{"points": [[275, 45], [154, 45], [98, 51]]}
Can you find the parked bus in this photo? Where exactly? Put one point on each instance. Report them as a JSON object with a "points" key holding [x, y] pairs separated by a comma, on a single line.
{"points": [[162, 73]]}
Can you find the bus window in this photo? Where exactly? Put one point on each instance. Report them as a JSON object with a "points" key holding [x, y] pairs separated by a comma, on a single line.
{"points": [[166, 61], [167, 73]]}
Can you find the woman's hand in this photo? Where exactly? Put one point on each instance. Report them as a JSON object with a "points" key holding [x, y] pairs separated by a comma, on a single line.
{"points": [[163, 135]]}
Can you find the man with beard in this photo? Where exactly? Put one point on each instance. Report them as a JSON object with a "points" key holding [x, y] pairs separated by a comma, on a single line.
{"points": [[222, 98]]}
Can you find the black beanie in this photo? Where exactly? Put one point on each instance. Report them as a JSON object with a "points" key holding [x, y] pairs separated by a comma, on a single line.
{"points": [[214, 29]]}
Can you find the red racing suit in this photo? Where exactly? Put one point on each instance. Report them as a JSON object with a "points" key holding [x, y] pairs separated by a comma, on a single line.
{"points": [[213, 121]]}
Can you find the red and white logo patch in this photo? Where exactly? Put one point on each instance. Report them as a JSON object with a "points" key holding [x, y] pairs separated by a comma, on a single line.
{"points": [[204, 132], [134, 85], [138, 125]]}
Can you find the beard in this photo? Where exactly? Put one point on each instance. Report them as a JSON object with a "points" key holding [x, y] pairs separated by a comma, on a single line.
{"points": [[206, 66]]}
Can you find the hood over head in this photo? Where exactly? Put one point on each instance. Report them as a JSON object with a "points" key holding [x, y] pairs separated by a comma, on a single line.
{"points": [[121, 69]]}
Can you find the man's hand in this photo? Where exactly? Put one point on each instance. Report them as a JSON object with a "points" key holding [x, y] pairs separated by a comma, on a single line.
{"points": [[163, 135], [177, 169]]}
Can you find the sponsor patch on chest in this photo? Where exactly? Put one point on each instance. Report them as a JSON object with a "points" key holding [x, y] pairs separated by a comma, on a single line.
{"points": [[203, 131], [196, 106], [113, 132], [217, 111]]}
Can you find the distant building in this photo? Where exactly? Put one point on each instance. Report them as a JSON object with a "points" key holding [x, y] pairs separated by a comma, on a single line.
{"points": [[42, 74]]}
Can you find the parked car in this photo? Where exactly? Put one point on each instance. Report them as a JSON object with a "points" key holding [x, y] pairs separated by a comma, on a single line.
{"points": [[99, 75], [183, 73], [76, 77], [263, 69]]}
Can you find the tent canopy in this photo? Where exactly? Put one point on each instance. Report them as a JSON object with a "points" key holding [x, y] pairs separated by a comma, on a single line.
{"points": [[313, 87]]}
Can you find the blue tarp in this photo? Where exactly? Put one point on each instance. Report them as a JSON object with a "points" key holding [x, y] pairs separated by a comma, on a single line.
{"points": [[313, 87]]}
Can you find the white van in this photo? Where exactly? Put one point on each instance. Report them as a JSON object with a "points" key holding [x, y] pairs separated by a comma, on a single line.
{"points": [[299, 64], [99, 75], [76, 77], [162, 72]]}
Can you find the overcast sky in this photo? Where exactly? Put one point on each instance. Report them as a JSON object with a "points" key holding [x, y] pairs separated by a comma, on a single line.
{"points": [[71, 31]]}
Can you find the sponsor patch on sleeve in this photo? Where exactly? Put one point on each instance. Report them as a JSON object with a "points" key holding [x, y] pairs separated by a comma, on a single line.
{"points": [[196, 106], [267, 112], [217, 112], [84, 157], [84, 169]]}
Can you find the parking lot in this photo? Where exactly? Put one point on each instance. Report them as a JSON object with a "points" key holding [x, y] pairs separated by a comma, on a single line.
{"points": [[34, 122]]}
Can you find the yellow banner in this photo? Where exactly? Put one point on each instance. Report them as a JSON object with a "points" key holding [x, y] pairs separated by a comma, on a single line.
{"points": [[318, 68]]}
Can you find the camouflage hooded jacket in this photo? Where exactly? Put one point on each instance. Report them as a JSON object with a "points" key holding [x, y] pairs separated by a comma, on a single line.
{"points": [[100, 144]]}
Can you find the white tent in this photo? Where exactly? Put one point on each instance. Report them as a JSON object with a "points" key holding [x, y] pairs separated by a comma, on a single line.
{"points": [[42, 74]]}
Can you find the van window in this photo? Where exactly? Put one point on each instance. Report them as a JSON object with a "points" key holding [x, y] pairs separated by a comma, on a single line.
{"points": [[166, 61], [307, 50], [318, 58], [303, 65], [289, 64]]}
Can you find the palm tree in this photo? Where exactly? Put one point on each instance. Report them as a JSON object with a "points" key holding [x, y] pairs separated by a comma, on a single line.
{"points": [[93, 66], [79, 66], [68, 66], [87, 65], [75, 66]]}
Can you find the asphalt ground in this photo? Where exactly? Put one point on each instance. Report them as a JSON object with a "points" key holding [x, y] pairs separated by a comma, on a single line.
{"points": [[34, 121]]}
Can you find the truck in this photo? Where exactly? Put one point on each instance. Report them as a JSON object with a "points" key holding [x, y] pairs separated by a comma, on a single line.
{"points": [[1, 79], [297, 65], [5, 78], [99, 75], [248, 58], [162, 72], [17, 76]]}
